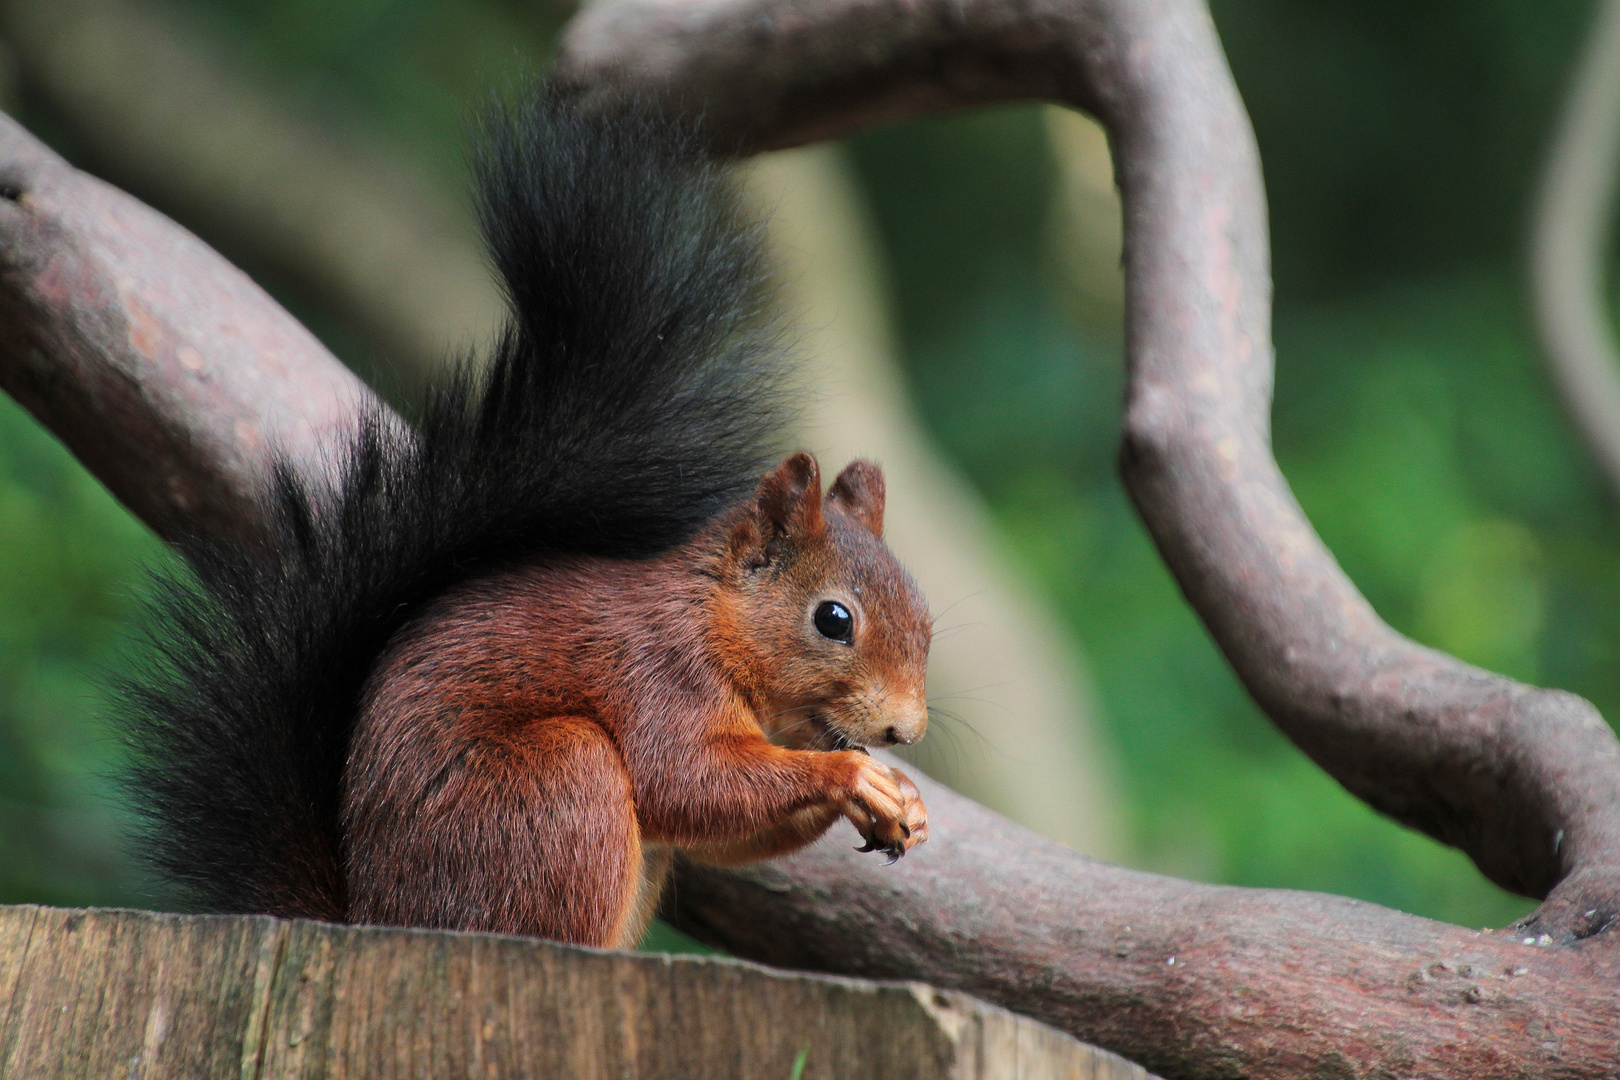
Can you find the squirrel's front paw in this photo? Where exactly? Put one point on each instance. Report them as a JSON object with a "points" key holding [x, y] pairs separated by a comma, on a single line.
{"points": [[916, 813], [886, 807]]}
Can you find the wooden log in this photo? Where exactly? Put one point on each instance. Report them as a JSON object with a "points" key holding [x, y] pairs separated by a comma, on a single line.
{"points": [[142, 995]]}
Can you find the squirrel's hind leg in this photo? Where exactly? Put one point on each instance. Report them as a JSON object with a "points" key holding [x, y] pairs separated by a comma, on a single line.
{"points": [[530, 832], [656, 862]]}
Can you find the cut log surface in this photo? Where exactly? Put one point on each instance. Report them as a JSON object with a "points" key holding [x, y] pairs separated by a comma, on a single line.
{"points": [[134, 994]]}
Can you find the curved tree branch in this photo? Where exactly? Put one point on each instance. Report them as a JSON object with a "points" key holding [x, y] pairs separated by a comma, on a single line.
{"points": [[1526, 781], [1570, 242], [163, 368], [1188, 980]]}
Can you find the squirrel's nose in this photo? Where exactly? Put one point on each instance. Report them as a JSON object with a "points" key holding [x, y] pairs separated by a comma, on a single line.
{"points": [[907, 723]]}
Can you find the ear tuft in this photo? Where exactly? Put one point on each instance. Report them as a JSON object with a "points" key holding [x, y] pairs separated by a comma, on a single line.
{"points": [[787, 507], [859, 492]]}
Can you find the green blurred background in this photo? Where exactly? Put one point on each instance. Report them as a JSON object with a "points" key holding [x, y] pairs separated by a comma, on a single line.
{"points": [[1413, 415]]}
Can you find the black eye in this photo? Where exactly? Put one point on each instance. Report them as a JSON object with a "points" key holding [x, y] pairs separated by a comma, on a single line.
{"points": [[833, 620]]}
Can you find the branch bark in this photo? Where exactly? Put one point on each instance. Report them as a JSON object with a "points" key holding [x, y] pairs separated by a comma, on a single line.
{"points": [[1188, 980], [1526, 781], [165, 370]]}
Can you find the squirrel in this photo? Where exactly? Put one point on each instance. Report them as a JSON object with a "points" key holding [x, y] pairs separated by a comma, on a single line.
{"points": [[565, 624]]}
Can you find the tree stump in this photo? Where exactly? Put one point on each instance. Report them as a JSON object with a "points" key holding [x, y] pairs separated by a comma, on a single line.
{"points": [[135, 994]]}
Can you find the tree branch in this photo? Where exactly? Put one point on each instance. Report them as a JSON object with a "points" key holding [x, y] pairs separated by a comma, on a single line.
{"points": [[1526, 781], [165, 370], [1188, 980]]}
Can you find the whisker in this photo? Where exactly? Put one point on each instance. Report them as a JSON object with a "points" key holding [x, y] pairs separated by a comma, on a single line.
{"points": [[958, 721], [970, 696], [954, 603], [947, 631]]}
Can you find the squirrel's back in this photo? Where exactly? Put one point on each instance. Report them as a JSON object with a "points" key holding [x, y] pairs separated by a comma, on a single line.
{"points": [[628, 400]]}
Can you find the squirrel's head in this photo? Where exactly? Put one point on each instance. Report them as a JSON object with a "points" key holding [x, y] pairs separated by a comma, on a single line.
{"points": [[816, 621]]}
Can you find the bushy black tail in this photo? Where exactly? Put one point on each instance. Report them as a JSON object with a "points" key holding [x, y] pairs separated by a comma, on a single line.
{"points": [[629, 399]]}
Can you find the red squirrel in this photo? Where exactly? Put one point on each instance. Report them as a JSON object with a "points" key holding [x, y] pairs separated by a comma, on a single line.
{"points": [[559, 629]]}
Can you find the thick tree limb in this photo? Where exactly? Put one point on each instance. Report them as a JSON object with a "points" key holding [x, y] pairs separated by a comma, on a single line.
{"points": [[1188, 980], [811, 70], [1570, 243], [163, 368], [1526, 781]]}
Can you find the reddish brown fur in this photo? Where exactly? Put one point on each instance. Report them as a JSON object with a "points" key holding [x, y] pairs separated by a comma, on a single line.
{"points": [[531, 746]]}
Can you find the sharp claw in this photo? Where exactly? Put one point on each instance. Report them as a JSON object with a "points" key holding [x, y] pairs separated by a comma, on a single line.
{"points": [[905, 830], [894, 857], [871, 844]]}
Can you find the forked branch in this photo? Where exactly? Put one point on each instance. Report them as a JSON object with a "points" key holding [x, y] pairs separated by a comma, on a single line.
{"points": [[1526, 781]]}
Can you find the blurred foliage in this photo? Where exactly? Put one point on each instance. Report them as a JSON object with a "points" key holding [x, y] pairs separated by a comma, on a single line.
{"points": [[70, 562], [1398, 137], [1412, 415]]}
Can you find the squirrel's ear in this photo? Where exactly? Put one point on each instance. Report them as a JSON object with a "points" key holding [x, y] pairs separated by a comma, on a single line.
{"points": [[858, 491], [787, 506]]}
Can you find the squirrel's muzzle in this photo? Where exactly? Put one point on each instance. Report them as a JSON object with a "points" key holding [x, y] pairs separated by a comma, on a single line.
{"points": [[904, 721]]}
